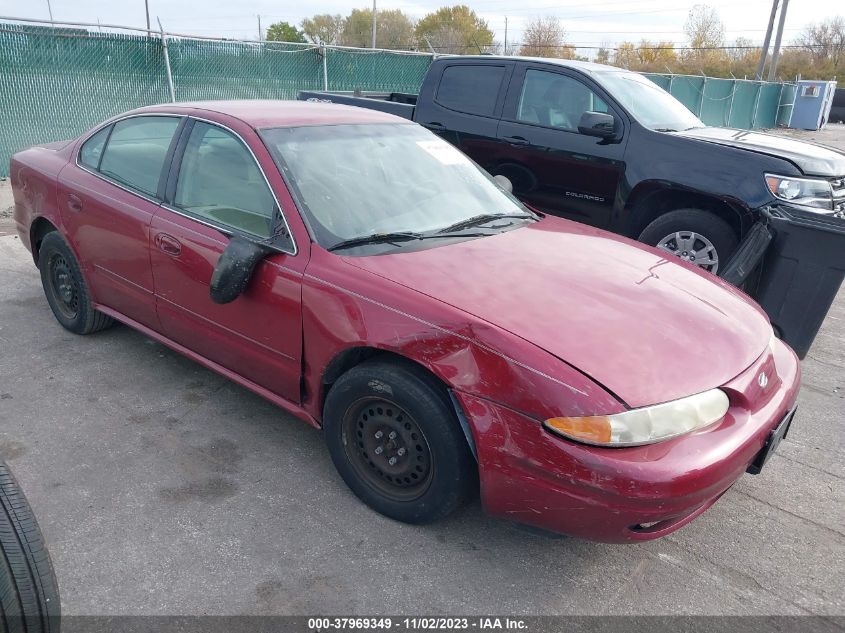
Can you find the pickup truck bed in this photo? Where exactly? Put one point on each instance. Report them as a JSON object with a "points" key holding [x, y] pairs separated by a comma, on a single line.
{"points": [[398, 103]]}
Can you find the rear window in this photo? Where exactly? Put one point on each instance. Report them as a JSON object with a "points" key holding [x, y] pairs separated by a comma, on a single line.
{"points": [[470, 88], [136, 151]]}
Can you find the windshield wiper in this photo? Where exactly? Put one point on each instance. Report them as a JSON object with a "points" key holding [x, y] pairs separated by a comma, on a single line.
{"points": [[665, 129], [377, 238], [481, 219]]}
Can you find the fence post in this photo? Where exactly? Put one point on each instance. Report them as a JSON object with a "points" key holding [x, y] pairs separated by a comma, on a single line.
{"points": [[756, 105], [167, 63], [731, 103], [324, 52]]}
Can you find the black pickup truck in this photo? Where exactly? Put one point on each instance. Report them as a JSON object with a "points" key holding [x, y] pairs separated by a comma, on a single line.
{"points": [[607, 147]]}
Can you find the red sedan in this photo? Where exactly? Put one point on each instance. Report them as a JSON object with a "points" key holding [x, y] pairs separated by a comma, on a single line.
{"points": [[367, 277]]}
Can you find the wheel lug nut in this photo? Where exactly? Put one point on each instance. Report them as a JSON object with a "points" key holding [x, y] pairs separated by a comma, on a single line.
{"points": [[400, 452], [379, 434], [379, 450], [392, 435], [392, 461]]}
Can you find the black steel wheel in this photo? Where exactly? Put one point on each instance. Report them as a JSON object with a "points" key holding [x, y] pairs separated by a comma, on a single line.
{"points": [[65, 288], [393, 436], [387, 448]]}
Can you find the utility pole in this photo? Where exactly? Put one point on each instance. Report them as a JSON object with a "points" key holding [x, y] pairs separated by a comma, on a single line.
{"points": [[147, 8], [765, 52], [260, 32], [50, 10], [374, 23], [773, 68], [506, 36]]}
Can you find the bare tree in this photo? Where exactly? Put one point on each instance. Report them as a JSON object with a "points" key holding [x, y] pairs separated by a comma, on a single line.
{"points": [[546, 37], [704, 27], [825, 41]]}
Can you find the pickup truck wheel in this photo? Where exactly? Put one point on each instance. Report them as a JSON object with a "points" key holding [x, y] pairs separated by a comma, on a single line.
{"points": [[29, 596], [699, 237], [394, 438], [65, 288]]}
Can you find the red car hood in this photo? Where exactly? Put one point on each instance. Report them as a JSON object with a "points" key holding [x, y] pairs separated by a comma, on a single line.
{"points": [[647, 328]]}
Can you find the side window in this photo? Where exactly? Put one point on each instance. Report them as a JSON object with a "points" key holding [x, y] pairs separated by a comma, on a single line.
{"points": [[136, 151], [92, 149], [220, 182], [556, 100], [470, 88]]}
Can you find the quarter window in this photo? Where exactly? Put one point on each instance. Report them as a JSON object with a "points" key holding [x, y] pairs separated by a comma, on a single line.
{"points": [[219, 181], [556, 100], [470, 88], [92, 149], [136, 151]]}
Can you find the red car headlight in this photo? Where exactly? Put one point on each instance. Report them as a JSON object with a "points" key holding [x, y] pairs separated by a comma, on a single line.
{"points": [[646, 425]]}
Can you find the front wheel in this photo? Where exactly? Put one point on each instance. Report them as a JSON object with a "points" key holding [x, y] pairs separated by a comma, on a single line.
{"points": [[394, 438], [697, 236]]}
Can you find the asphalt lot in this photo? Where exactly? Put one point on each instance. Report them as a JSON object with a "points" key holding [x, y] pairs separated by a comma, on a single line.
{"points": [[163, 488]]}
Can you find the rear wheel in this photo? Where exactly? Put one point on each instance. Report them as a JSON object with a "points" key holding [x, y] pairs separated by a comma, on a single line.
{"points": [[29, 596], [699, 237], [65, 288], [394, 438]]}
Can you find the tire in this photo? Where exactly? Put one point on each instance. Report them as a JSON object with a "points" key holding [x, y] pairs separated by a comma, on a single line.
{"points": [[29, 596], [435, 475], [65, 288], [701, 223]]}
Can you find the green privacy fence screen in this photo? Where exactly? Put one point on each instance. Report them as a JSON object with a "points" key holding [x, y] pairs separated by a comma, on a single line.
{"points": [[731, 102], [56, 82]]}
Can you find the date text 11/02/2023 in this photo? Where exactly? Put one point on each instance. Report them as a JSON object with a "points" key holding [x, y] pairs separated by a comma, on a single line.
{"points": [[417, 623]]}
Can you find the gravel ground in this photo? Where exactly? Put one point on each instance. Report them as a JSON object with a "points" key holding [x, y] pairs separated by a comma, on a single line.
{"points": [[166, 489]]}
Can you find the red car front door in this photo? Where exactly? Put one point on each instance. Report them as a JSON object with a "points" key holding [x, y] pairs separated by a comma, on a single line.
{"points": [[217, 189], [107, 198]]}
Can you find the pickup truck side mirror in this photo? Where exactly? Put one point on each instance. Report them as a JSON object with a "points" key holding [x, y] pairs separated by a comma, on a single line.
{"points": [[599, 124]]}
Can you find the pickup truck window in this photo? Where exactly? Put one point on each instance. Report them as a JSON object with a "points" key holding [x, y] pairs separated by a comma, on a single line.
{"points": [[358, 180], [556, 100], [472, 89], [649, 104]]}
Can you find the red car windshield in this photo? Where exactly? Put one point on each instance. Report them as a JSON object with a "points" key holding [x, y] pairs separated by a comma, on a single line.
{"points": [[357, 180]]}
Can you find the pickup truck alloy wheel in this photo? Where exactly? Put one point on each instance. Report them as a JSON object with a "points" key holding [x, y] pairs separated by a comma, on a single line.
{"points": [[387, 448], [695, 235], [693, 247]]}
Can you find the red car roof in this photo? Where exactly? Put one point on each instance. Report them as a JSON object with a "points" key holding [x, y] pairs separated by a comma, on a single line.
{"points": [[277, 113]]}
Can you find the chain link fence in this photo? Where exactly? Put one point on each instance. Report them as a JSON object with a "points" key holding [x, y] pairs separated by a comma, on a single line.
{"points": [[738, 103], [56, 82]]}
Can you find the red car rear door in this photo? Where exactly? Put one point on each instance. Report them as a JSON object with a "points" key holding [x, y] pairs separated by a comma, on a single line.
{"points": [[216, 189], [107, 197]]}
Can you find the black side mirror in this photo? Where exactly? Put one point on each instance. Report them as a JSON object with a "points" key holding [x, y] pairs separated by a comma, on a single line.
{"points": [[234, 268], [599, 124]]}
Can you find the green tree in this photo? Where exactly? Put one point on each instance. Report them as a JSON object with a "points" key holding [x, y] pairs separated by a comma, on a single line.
{"points": [[454, 30], [323, 29], [394, 29], [284, 32]]}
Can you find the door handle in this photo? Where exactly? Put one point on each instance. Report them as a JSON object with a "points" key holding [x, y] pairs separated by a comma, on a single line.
{"points": [[74, 203], [516, 140], [434, 126], [168, 244]]}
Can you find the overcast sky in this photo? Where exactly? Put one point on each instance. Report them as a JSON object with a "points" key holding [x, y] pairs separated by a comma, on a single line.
{"points": [[588, 23]]}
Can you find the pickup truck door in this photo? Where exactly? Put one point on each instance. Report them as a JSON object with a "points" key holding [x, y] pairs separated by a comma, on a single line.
{"points": [[552, 166], [465, 104], [217, 188]]}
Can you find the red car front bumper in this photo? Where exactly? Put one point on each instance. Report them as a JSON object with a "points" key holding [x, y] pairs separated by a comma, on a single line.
{"points": [[619, 495]]}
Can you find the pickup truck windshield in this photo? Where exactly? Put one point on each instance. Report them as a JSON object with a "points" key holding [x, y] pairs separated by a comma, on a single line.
{"points": [[649, 104], [366, 180]]}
